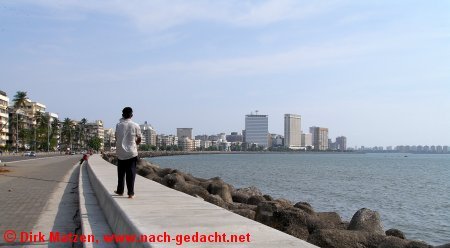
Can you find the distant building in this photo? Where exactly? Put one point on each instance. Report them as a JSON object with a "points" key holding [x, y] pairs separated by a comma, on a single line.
{"points": [[306, 140], [95, 129], [445, 149], [341, 143], [109, 139], [257, 130], [202, 137], [320, 138], [163, 140], [186, 144], [4, 119], [235, 137], [292, 131], [205, 144], [184, 133], [148, 134], [276, 140]]}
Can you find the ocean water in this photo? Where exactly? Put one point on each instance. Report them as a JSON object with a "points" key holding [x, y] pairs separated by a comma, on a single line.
{"points": [[410, 191]]}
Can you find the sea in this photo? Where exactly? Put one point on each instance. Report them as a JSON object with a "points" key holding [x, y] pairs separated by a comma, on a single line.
{"points": [[410, 191]]}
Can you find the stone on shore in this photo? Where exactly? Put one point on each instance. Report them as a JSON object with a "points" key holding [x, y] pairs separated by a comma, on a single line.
{"points": [[366, 220], [395, 233]]}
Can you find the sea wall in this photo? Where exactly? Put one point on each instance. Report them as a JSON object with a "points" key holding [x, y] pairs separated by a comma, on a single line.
{"points": [[324, 229]]}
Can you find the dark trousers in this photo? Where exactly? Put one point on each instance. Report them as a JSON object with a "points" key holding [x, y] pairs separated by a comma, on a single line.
{"points": [[126, 169]]}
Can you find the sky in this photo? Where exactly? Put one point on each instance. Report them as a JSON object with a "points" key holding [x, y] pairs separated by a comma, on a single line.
{"points": [[376, 72]]}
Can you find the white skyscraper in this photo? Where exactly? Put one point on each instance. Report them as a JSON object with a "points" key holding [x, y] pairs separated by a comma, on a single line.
{"points": [[257, 130], [292, 131]]}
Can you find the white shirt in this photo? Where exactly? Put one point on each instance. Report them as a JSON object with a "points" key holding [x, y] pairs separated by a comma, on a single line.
{"points": [[126, 133]]}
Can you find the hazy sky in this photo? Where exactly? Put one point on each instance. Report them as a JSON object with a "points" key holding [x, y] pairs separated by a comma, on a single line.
{"points": [[377, 72]]}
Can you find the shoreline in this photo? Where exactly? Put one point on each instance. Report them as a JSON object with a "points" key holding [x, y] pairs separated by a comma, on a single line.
{"points": [[325, 229]]}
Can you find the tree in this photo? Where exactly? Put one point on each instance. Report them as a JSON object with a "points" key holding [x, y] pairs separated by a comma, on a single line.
{"points": [[95, 143], [67, 133], [19, 100]]}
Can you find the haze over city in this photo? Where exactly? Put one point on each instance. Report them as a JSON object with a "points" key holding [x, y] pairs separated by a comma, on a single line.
{"points": [[376, 73]]}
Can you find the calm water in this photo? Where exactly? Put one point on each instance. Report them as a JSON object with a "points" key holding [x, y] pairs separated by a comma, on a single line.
{"points": [[411, 193]]}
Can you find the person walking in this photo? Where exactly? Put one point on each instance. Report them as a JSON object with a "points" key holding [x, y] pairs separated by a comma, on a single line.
{"points": [[128, 137]]}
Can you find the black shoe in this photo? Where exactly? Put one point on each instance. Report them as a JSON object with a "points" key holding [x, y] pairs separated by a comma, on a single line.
{"points": [[119, 194]]}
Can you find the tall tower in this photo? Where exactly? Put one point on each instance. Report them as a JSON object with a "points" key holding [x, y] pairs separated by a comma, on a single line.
{"points": [[257, 130], [184, 133], [319, 138], [292, 131]]}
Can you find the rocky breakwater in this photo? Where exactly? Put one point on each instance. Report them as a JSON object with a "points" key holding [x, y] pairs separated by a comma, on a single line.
{"points": [[324, 229]]}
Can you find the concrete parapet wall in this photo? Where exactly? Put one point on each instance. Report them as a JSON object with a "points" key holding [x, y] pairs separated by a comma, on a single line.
{"points": [[158, 209]]}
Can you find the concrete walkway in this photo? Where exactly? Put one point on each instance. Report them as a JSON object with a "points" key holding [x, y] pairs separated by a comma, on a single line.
{"points": [[157, 210], [38, 196]]}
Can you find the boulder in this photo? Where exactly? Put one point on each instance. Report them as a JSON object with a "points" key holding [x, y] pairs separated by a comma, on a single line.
{"points": [[239, 197], [250, 191], [331, 220], [171, 179], [236, 205], [221, 189], [193, 190], [395, 233], [216, 200], [443, 246], [333, 238], [305, 207], [268, 197], [255, 199], [245, 212], [366, 220]]}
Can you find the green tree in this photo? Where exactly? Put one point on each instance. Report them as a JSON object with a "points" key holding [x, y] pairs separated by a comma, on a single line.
{"points": [[95, 143], [19, 103], [67, 133], [144, 147]]}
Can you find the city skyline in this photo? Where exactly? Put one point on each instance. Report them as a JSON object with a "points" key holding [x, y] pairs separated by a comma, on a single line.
{"points": [[376, 73]]}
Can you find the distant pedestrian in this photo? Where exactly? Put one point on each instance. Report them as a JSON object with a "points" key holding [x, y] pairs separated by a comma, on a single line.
{"points": [[128, 137]]}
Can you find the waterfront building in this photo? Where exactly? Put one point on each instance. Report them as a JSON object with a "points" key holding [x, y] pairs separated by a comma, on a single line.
{"points": [[439, 149], [186, 144], [109, 139], [445, 149], [163, 140], [202, 137], [197, 144], [276, 140], [184, 133], [148, 134], [222, 137], [213, 137], [95, 129], [292, 131], [205, 144], [306, 140], [320, 138], [4, 119], [257, 130], [235, 137], [341, 143]]}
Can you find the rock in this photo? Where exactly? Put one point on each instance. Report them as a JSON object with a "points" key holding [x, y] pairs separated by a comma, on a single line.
{"points": [[395, 233], [331, 219], [236, 205], [216, 200], [250, 191], [239, 197], [193, 190], [366, 220], [255, 199], [332, 238], [305, 207], [290, 220], [221, 189], [245, 212], [171, 179], [284, 202], [268, 197]]}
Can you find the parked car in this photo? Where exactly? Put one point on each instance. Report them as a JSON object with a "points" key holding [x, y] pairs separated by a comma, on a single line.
{"points": [[27, 154], [32, 154]]}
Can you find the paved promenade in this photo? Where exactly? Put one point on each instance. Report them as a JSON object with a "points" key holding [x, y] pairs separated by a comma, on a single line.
{"points": [[38, 196]]}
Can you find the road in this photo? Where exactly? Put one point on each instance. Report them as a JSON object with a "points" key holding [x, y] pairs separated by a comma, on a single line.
{"points": [[5, 158], [38, 195]]}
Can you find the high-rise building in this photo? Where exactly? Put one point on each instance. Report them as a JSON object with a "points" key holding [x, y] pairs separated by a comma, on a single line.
{"points": [[184, 133], [257, 130], [292, 131], [341, 143], [4, 119], [319, 138], [234, 137], [307, 140], [148, 134], [95, 129]]}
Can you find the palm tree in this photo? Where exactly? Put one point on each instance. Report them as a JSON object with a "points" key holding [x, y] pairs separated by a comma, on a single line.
{"points": [[66, 134], [82, 137], [20, 99]]}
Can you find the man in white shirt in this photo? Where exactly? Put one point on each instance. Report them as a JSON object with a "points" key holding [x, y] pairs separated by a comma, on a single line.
{"points": [[128, 137]]}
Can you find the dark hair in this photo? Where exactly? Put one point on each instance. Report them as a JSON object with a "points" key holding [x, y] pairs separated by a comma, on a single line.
{"points": [[127, 112]]}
